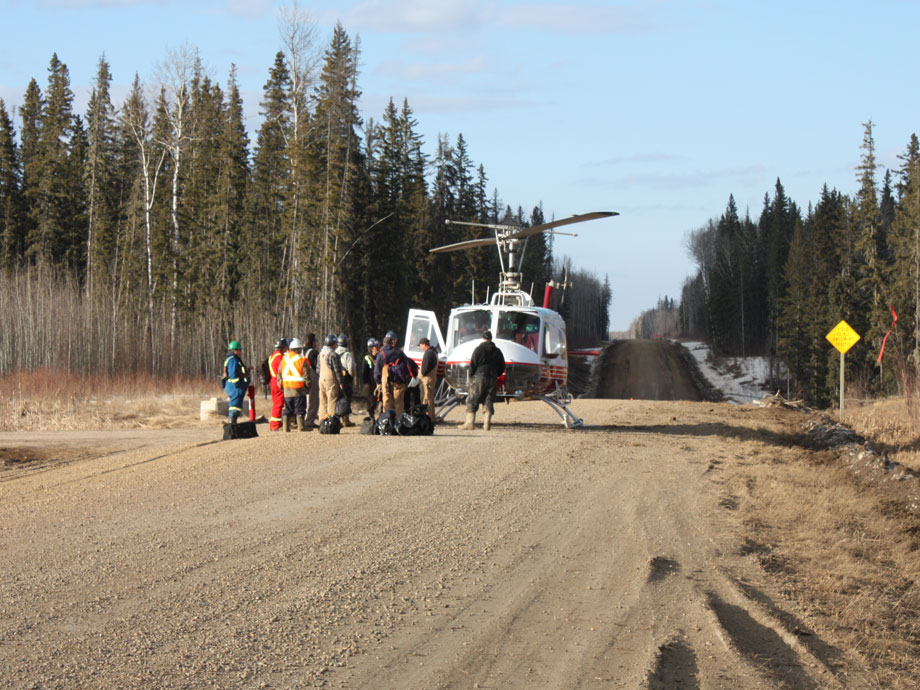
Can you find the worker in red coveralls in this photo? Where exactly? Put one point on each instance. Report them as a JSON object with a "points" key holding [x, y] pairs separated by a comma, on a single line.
{"points": [[274, 367]]}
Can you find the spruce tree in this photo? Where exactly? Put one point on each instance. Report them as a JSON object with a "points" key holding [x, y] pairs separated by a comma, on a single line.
{"points": [[335, 159], [52, 232], [100, 180], [269, 245], [11, 228]]}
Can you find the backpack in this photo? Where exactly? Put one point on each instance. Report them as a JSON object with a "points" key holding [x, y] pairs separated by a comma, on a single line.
{"points": [[240, 430], [415, 422], [398, 371], [265, 374], [330, 425]]}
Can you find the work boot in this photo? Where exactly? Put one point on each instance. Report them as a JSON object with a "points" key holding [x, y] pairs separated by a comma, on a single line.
{"points": [[486, 420], [469, 425], [286, 422], [301, 425], [346, 421]]}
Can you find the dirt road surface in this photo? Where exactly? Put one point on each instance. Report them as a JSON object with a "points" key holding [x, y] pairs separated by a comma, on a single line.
{"points": [[646, 370], [527, 557]]}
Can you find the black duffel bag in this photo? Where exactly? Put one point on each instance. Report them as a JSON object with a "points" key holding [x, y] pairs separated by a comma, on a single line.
{"points": [[240, 430], [415, 422]]}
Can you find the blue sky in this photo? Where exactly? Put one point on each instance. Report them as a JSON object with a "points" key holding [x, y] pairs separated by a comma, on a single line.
{"points": [[658, 109]]}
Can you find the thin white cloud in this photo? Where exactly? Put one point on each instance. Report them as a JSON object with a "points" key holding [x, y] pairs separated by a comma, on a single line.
{"points": [[91, 4], [474, 15], [639, 158], [430, 70], [448, 105], [752, 174]]}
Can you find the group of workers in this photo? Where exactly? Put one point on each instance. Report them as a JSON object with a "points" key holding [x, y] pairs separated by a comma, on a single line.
{"points": [[309, 385]]}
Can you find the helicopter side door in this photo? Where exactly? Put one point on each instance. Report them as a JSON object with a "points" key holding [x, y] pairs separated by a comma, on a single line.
{"points": [[422, 324]]}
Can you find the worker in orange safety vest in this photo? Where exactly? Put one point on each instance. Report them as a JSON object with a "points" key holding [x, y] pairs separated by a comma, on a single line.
{"points": [[296, 380], [274, 368]]}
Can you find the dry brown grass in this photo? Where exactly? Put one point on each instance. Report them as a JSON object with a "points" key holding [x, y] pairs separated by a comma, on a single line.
{"points": [[839, 554], [891, 426], [50, 400]]}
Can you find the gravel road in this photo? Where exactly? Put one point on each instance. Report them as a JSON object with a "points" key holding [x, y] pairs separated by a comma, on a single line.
{"points": [[529, 556]]}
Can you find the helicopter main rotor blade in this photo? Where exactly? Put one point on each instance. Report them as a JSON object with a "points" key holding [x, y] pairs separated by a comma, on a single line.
{"points": [[521, 234], [468, 244], [536, 229]]}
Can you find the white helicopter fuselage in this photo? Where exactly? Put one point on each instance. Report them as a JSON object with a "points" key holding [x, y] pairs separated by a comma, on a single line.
{"points": [[531, 339]]}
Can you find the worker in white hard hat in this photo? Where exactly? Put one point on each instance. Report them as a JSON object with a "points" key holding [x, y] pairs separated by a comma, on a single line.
{"points": [[295, 379]]}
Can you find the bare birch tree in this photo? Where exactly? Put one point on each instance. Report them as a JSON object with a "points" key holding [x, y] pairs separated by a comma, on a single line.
{"points": [[298, 36], [175, 75], [136, 121]]}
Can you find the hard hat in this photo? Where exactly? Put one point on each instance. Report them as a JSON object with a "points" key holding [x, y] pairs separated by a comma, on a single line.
{"points": [[295, 344], [281, 343], [331, 340], [391, 335], [234, 345], [343, 340], [372, 342]]}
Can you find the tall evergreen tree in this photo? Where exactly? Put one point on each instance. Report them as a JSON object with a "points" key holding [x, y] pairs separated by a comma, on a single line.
{"points": [[99, 179], [335, 157], [270, 248], [11, 227]]}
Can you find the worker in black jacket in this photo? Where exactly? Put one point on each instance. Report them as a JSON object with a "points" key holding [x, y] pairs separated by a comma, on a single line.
{"points": [[487, 363], [428, 375]]}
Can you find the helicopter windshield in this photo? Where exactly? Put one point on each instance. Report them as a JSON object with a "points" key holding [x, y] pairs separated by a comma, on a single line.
{"points": [[520, 327], [469, 325]]}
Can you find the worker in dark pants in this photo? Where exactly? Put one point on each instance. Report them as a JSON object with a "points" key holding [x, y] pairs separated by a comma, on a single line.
{"points": [[487, 363]]}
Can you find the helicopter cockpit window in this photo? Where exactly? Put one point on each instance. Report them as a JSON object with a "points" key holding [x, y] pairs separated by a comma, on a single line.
{"points": [[469, 325], [520, 327], [555, 342]]}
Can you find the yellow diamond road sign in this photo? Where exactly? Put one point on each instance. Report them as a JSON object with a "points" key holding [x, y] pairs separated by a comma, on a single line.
{"points": [[843, 337]]}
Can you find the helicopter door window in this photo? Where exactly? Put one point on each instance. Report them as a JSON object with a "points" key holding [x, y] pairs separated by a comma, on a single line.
{"points": [[555, 342], [420, 328], [469, 325]]}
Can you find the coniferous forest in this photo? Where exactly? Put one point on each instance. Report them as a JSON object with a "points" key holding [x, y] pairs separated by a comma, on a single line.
{"points": [[143, 235], [776, 286]]}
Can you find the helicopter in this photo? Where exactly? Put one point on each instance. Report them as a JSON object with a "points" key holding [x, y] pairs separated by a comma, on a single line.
{"points": [[531, 338]]}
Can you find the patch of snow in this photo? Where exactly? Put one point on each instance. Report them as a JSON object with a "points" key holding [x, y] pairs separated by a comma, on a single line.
{"points": [[742, 380]]}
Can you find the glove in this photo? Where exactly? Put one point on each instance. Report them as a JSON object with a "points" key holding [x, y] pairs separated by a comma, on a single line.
{"points": [[377, 391]]}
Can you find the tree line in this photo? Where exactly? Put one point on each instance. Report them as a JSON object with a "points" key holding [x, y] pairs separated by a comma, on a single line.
{"points": [[149, 233], [778, 285]]}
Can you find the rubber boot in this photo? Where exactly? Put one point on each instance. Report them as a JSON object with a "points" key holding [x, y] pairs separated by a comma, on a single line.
{"points": [[286, 422], [486, 420], [301, 424], [470, 423]]}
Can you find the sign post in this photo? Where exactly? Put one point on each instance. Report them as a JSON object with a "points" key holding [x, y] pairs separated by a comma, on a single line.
{"points": [[842, 337]]}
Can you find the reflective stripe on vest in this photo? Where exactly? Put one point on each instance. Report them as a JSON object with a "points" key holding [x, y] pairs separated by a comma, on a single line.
{"points": [[292, 372], [273, 363], [227, 371]]}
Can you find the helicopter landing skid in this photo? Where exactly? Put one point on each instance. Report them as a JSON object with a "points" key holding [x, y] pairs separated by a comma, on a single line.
{"points": [[569, 421], [443, 407], [560, 407]]}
